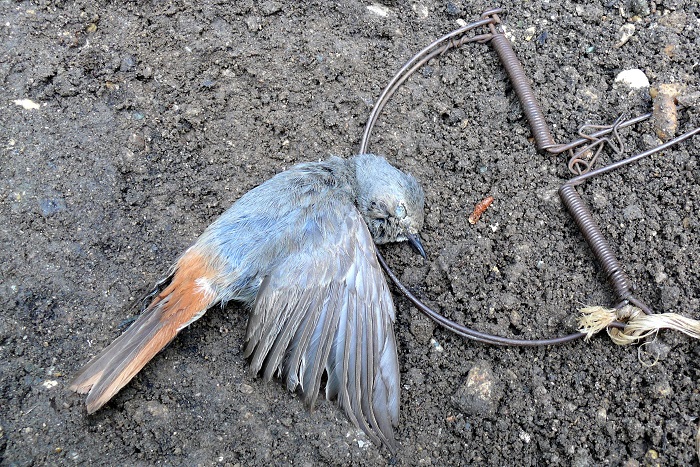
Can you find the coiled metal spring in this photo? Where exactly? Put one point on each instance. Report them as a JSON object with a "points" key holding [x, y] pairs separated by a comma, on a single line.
{"points": [[603, 252], [526, 95], [621, 284]]}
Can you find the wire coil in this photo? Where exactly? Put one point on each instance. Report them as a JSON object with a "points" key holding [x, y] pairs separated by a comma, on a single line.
{"points": [[623, 287]]}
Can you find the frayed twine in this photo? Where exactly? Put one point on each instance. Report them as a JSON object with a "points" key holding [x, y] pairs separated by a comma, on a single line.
{"points": [[638, 325]]}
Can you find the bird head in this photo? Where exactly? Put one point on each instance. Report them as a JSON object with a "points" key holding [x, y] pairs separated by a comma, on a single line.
{"points": [[390, 201]]}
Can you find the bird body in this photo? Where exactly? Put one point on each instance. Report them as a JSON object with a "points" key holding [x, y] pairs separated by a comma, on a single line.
{"points": [[299, 251]]}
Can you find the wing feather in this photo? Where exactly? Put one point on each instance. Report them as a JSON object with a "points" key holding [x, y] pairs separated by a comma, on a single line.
{"points": [[335, 317], [319, 349]]}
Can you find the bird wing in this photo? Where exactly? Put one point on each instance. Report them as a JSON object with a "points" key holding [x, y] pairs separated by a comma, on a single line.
{"points": [[327, 308]]}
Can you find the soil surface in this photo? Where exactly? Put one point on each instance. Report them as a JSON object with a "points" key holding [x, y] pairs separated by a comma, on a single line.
{"points": [[154, 117]]}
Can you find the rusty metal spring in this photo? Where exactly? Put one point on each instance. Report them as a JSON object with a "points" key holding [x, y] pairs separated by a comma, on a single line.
{"points": [[535, 116], [603, 252], [489, 18], [525, 93], [621, 284]]}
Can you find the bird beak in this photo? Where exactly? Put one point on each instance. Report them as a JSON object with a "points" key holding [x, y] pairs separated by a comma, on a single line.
{"points": [[414, 241]]}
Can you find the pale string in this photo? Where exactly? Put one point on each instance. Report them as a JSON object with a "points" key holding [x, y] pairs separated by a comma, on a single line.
{"points": [[638, 325]]}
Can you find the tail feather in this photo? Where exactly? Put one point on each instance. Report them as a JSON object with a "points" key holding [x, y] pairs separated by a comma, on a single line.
{"points": [[182, 302]]}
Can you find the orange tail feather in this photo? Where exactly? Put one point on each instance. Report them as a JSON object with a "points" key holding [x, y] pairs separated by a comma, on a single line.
{"points": [[183, 301]]}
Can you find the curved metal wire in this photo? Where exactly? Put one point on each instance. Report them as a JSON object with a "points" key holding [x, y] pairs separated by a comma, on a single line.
{"points": [[622, 285], [579, 163], [468, 332], [434, 49]]}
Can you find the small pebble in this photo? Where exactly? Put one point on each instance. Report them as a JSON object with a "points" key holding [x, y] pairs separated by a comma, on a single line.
{"points": [[600, 201], [524, 437], [626, 32], [136, 142], [660, 277], [662, 389], [480, 392], [436, 345], [691, 99], [651, 458], [632, 213], [602, 415], [530, 33], [27, 104], [516, 319], [635, 429], [253, 23], [420, 10], [633, 79], [422, 328], [156, 409], [50, 384], [128, 62], [582, 459], [640, 7], [671, 296], [379, 10], [145, 72], [453, 9], [270, 7]]}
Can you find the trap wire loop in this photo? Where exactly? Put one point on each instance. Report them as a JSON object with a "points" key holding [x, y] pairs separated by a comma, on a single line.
{"points": [[631, 319]]}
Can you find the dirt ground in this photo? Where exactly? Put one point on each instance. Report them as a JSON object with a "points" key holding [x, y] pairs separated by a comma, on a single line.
{"points": [[154, 117]]}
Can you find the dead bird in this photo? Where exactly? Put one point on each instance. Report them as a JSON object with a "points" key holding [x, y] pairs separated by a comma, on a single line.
{"points": [[299, 252]]}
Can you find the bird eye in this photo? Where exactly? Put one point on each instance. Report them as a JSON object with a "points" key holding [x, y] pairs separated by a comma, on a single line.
{"points": [[400, 211]]}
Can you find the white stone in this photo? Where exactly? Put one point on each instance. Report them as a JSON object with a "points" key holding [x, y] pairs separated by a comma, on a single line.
{"points": [[421, 10], [634, 79], [379, 10], [530, 33], [50, 384], [27, 104]]}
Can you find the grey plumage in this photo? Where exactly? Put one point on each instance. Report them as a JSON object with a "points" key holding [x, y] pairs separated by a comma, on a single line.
{"points": [[299, 250]]}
